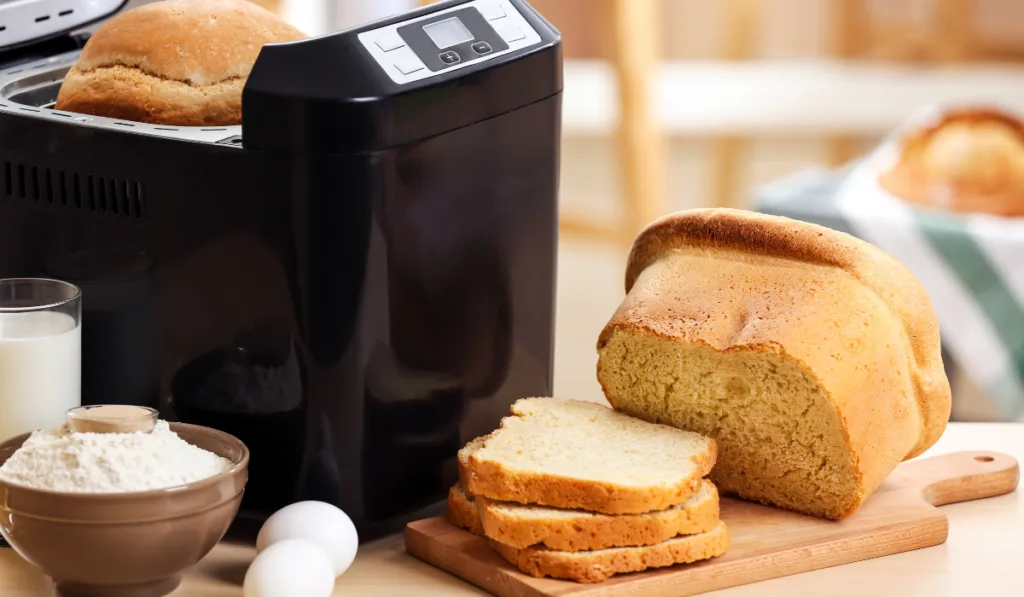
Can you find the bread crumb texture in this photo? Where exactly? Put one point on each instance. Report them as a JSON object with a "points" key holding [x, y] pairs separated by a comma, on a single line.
{"points": [[581, 455]]}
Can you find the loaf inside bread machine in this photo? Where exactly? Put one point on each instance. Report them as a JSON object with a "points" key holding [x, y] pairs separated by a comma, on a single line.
{"points": [[177, 62], [810, 356]]}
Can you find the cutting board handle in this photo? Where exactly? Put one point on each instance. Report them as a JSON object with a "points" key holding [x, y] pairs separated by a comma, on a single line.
{"points": [[958, 477]]}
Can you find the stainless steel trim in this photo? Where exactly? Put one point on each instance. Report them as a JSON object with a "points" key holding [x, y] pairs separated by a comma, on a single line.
{"points": [[49, 71]]}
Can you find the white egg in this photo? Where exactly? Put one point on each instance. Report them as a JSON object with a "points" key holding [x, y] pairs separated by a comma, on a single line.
{"points": [[293, 568], [319, 522]]}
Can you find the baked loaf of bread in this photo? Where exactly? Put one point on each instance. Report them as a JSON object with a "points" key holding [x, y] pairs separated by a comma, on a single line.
{"points": [[585, 456], [177, 62], [811, 357], [522, 526], [968, 161]]}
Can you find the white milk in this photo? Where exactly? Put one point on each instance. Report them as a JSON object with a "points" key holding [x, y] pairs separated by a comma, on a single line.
{"points": [[40, 370]]}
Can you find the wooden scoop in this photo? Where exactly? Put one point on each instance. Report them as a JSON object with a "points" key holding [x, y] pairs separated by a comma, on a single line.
{"points": [[112, 418]]}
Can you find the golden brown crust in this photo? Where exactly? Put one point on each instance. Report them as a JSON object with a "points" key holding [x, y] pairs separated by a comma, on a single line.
{"points": [[463, 457], [177, 62], [462, 511], [967, 116], [492, 480], [967, 161], [763, 236], [600, 565], [587, 532], [126, 93], [200, 42]]}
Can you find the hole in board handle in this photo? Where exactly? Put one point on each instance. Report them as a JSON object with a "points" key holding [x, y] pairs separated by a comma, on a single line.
{"points": [[984, 458]]}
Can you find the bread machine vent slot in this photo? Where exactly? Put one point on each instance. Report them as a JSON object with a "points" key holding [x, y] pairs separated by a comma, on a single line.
{"points": [[64, 190]]}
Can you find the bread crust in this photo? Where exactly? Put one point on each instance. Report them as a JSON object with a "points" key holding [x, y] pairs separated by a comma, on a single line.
{"points": [[176, 62], [492, 479], [600, 565], [584, 532], [127, 93], [587, 531], [461, 510], [977, 183], [890, 392]]}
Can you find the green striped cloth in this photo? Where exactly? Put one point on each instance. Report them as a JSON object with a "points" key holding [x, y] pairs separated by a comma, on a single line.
{"points": [[972, 266]]}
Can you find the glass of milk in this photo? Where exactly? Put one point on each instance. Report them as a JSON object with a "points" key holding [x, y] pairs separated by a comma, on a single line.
{"points": [[40, 353]]}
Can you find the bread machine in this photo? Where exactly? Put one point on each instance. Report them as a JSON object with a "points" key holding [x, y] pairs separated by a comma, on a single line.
{"points": [[356, 281]]}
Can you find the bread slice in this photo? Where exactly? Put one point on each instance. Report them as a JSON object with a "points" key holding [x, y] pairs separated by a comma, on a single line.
{"points": [[462, 510], [585, 456], [811, 357], [600, 565], [520, 526]]}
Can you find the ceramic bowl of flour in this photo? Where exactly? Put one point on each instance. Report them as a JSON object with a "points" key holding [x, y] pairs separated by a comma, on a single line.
{"points": [[132, 544]]}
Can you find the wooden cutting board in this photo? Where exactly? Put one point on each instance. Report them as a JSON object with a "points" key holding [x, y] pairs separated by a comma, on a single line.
{"points": [[902, 515]]}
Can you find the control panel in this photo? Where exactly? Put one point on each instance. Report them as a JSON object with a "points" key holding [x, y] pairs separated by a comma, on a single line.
{"points": [[448, 39]]}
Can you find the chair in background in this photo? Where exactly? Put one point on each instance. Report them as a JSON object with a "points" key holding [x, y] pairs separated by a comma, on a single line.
{"points": [[641, 145]]}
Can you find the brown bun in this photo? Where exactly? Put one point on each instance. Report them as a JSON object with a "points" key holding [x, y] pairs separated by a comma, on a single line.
{"points": [[178, 62], [968, 161]]}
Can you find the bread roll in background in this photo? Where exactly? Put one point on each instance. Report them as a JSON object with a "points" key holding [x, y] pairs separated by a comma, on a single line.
{"points": [[178, 62], [969, 161]]}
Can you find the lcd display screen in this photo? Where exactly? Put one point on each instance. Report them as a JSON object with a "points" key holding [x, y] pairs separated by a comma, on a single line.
{"points": [[448, 33]]}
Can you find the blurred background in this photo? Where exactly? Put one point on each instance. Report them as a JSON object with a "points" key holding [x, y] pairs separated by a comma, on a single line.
{"points": [[775, 105]]}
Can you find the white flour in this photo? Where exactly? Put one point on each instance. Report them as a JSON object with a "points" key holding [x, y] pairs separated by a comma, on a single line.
{"points": [[63, 460]]}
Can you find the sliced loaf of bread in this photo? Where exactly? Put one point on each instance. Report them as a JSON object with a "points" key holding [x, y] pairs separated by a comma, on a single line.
{"points": [[600, 565], [585, 456], [811, 357], [521, 526]]}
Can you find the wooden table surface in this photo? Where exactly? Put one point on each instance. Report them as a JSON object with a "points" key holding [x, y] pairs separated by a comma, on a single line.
{"points": [[984, 553]]}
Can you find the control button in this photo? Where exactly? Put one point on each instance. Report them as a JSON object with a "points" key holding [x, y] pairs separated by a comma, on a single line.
{"points": [[390, 40], [490, 10], [406, 62], [450, 57], [509, 32], [482, 47]]}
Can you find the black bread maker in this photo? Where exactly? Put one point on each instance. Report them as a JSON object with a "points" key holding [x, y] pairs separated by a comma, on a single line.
{"points": [[356, 281]]}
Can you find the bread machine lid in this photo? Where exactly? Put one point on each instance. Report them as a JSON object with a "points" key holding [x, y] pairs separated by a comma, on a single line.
{"points": [[27, 22], [397, 81]]}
